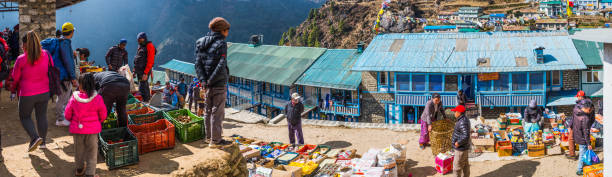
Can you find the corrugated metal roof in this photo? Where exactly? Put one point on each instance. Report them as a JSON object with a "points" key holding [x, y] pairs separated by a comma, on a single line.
{"points": [[562, 98], [333, 70], [589, 51], [459, 52], [281, 65], [469, 8], [160, 76], [498, 15], [437, 27], [552, 20], [606, 1], [180, 66]]}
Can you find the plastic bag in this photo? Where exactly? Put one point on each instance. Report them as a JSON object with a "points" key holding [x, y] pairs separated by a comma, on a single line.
{"points": [[590, 158]]}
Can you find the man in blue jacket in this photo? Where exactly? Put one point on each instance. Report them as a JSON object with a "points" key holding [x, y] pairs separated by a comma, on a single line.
{"points": [[65, 64]]}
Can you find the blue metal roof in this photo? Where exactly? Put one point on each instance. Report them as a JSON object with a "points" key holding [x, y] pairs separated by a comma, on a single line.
{"points": [[439, 27], [180, 66], [562, 98], [459, 52], [333, 70], [498, 15]]}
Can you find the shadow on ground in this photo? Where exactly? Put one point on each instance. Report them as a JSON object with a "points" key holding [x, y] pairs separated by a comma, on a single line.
{"points": [[231, 126], [338, 144], [525, 168]]}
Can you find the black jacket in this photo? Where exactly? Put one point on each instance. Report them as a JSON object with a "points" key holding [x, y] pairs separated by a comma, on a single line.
{"points": [[211, 60], [107, 77], [461, 134], [294, 113], [581, 126], [116, 57], [533, 115], [461, 99]]}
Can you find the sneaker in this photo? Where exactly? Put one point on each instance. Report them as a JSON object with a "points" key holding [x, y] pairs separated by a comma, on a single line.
{"points": [[42, 146], [34, 144], [62, 123], [579, 173]]}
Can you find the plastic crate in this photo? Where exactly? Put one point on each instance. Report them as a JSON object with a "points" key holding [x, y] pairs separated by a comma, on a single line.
{"points": [[286, 158], [518, 148], [187, 132], [142, 110], [308, 149], [132, 100], [110, 122], [118, 154], [324, 149], [154, 136], [146, 118], [503, 151]]}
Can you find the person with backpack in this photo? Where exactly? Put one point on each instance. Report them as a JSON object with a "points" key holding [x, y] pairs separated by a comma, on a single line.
{"points": [[117, 56], [213, 73], [31, 85], [115, 90], [182, 88], [86, 111], [63, 57], [143, 64]]}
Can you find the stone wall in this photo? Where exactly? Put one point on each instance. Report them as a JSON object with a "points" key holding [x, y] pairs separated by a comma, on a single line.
{"points": [[567, 110], [489, 113], [571, 79], [373, 106], [369, 81], [37, 15]]}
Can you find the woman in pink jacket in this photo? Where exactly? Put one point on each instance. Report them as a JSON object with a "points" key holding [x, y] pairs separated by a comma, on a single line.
{"points": [[86, 112], [31, 84]]}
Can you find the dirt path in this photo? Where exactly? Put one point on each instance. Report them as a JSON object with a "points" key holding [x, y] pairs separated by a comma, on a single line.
{"points": [[58, 160]]}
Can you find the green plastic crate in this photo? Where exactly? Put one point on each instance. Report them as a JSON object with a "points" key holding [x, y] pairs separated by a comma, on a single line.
{"points": [[110, 122], [118, 154], [146, 118], [132, 100], [189, 132]]}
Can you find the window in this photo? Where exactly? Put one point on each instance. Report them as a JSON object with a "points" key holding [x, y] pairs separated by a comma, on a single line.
{"points": [[591, 76], [451, 82], [484, 85], [418, 82], [382, 78], [391, 79], [435, 82], [555, 77], [403, 82], [502, 83], [519, 82], [536, 81]]}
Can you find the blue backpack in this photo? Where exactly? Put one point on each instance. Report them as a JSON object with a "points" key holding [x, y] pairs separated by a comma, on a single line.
{"points": [[52, 45]]}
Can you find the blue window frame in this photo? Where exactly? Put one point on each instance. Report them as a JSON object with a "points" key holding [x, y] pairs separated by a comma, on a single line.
{"points": [[519, 82], [484, 86], [536, 81], [435, 82], [418, 82], [502, 84], [403, 82], [451, 83]]}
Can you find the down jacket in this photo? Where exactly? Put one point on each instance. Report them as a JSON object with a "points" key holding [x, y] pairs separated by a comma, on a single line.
{"points": [[88, 111], [211, 60], [461, 134]]}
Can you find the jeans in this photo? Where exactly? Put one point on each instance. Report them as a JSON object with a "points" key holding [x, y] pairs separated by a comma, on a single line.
{"points": [[62, 100], [38, 103], [116, 92], [583, 149]]}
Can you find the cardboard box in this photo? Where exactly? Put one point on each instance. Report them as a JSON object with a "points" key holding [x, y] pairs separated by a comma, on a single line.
{"points": [[488, 148], [252, 154], [593, 170], [287, 171], [503, 151]]}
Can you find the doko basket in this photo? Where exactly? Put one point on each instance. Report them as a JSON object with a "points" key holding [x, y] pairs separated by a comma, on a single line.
{"points": [[187, 132], [146, 118], [154, 136], [441, 136], [122, 153]]}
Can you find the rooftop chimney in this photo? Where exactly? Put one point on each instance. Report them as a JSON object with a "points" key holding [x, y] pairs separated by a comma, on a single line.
{"points": [[256, 40], [360, 47], [539, 52]]}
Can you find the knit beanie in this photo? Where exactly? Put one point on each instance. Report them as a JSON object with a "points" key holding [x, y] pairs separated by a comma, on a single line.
{"points": [[218, 24]]}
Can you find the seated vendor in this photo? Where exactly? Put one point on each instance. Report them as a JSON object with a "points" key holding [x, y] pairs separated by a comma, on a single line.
{"points": [[533, 115]]}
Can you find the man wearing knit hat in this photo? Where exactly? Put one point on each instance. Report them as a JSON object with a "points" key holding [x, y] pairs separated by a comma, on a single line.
{"points": [[213, 73], [117, 56], [143, 64]]}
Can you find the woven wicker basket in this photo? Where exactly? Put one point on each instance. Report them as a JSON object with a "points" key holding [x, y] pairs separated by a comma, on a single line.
{"points": [[441, 136]]}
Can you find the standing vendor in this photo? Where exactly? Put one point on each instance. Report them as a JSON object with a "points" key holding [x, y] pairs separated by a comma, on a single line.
{"points": [[533, 115], [433, 109]]}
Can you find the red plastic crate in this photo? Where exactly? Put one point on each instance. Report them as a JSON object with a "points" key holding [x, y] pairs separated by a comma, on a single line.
{"points": [[154, 136], [143, 110], [308, 149]]}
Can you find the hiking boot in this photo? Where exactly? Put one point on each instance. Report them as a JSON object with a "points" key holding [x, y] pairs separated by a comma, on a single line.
{"points": [[219, 144], [62, 123], [34, 144]]}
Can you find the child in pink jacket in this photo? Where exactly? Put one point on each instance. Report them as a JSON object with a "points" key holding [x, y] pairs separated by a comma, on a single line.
{"points": [[86, 112]]}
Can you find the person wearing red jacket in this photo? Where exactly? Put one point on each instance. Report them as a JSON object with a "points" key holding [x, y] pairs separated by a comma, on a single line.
{"points": [[143, 64], [3, 54]]}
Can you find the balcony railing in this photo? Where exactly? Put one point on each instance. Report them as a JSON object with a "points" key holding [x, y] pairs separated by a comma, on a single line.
{"points": [[341, 109]]}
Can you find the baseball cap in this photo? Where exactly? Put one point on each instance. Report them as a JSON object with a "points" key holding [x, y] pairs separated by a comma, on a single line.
{"points": [[123, 41], [295, 96], [580, 93], [67, 27], [459, 108]]}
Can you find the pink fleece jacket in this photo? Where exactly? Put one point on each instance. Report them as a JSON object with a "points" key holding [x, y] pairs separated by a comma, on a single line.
{"points": [[87, 111], [31, 79]]}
